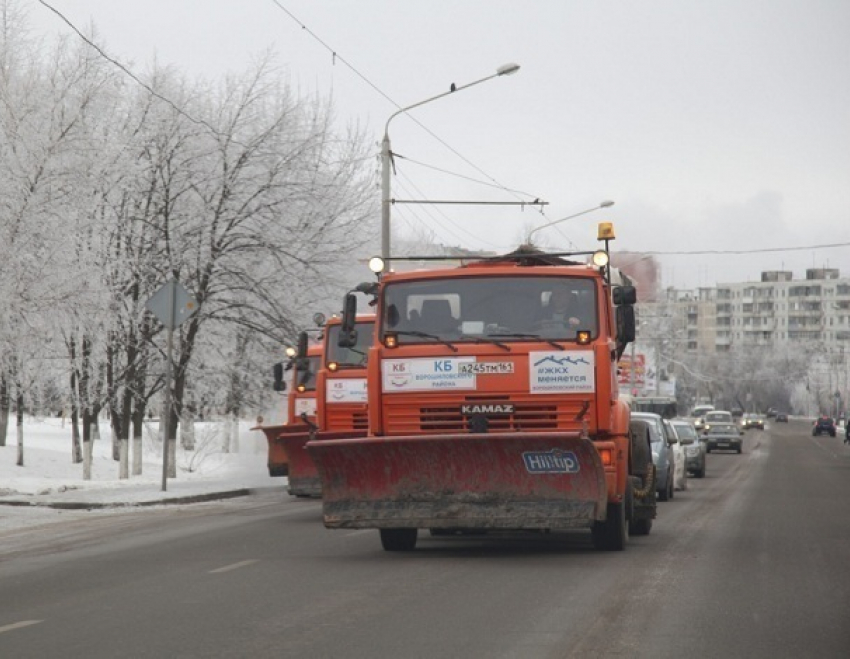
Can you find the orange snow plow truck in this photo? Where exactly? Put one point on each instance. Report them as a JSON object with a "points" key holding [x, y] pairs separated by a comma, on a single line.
{"points": [[301, 403], [341, 402], [493, 404]]}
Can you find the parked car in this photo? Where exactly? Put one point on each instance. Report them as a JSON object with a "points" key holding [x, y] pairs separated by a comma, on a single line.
{"points": [[752, 421], [680, 471], [694, 448], [724, 437], [781, 417], [662, 453], [824, 424]]}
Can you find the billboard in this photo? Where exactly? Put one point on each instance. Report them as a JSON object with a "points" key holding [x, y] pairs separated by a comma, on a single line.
{"points": [[625, 367]]}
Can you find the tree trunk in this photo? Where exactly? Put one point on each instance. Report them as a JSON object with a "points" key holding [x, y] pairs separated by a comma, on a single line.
{"points": [[234, 433], [138, 429], [124, 466], [226, 435], [173, 421], [76, 451], [87, 447], [4, 409], [187, 430], [87, 412], [19, 401]]}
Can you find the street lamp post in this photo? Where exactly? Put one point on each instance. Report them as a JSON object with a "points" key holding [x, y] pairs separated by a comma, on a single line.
{"points": [[604, 204], [386, 153]]}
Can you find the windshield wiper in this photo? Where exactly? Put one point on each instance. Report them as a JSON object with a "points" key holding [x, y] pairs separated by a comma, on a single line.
{"points": [[530, 336], [425, 335], [487, 339]]}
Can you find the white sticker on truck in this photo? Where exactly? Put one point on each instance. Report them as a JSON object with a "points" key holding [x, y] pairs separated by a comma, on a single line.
{"points": [[346, 390], [305, 406], [563, 372], [426, 374]]}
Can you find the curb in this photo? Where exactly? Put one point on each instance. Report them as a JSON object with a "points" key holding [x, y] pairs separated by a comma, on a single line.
{"points": [[190, 498]]}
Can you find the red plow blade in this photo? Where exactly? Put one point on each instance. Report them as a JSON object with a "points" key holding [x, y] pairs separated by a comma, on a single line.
{"points": [[303, 476], [480, 481], [278, 461]]}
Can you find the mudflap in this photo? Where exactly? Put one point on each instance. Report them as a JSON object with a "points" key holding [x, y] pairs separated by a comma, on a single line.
{"points": [[471, 481], [304, 478]]}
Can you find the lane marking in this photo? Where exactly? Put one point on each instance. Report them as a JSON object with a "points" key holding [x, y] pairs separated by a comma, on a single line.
{"points": [[18, 625], [360, 532], [234, 566]]}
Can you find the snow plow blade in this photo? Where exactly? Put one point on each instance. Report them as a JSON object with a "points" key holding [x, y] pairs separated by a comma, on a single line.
{"points": [[303, 475], [278, 461], [470, 481]]}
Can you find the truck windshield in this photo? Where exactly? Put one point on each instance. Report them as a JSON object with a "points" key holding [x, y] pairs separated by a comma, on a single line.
{"points": [[350, 357], [459, 309]]}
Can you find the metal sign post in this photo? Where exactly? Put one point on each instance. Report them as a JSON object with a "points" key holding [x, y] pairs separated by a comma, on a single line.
{"points": [[172, 304]]}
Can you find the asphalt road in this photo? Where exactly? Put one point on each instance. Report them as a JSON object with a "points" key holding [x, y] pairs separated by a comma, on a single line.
{"points": [[751, 561]]}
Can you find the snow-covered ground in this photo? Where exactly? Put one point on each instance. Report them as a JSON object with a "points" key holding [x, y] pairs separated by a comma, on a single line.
{"points": [[50, 477]]}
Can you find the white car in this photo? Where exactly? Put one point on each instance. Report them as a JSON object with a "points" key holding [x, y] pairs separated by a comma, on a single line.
{"points": [[680, 469]]}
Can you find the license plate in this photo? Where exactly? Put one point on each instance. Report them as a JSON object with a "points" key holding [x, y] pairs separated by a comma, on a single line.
{"points": [[723, 443], [486, 368]]}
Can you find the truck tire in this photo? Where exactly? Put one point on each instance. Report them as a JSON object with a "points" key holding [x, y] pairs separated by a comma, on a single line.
{"points": [[641, 451], [640, 527], [399, 539], [613, 533]]}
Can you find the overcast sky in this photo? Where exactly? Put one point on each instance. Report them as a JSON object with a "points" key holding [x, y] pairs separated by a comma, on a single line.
{"points": [[721, 125]]}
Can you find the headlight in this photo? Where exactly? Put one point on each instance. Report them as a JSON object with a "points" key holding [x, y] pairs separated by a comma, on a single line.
{"points": [[654, 456]]}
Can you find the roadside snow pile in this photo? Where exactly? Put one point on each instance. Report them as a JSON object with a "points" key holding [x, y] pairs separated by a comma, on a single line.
{"points": [[48, 469]]}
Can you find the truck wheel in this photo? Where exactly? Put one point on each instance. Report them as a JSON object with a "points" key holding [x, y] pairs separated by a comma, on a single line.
{"points": [[399, 539], [612, 534]]}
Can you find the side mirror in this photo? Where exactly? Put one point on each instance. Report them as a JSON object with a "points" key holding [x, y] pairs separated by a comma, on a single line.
{"points": [[279, 384], [301, 355], [625, 324], [686, 442], [624, 295], [347, 333]]}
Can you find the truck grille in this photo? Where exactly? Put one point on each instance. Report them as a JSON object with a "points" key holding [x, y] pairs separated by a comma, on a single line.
{"points": [[341, 418], [445, 417]]}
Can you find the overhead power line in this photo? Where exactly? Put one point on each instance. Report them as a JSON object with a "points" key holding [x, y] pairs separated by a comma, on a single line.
{"points": [[127, 71], [337, 57], [745, 251]]}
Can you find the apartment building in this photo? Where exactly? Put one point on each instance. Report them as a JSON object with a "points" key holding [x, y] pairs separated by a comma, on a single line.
{"points": [[776, 310]]}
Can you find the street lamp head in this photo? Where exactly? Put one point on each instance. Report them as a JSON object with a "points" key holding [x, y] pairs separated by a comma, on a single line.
{"points": [[507, 69], [604, 204]]}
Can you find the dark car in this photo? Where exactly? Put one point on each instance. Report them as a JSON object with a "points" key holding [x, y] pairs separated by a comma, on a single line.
{"points": [[782, 417], [752, 421], [662, 453], [824, 424], [723, 437]]}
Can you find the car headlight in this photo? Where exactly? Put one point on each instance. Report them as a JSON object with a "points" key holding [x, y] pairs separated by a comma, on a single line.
{"points": [[655, 456]]}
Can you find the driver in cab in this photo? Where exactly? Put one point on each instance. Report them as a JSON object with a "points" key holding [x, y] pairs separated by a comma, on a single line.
{"points": [[559, 309]]}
